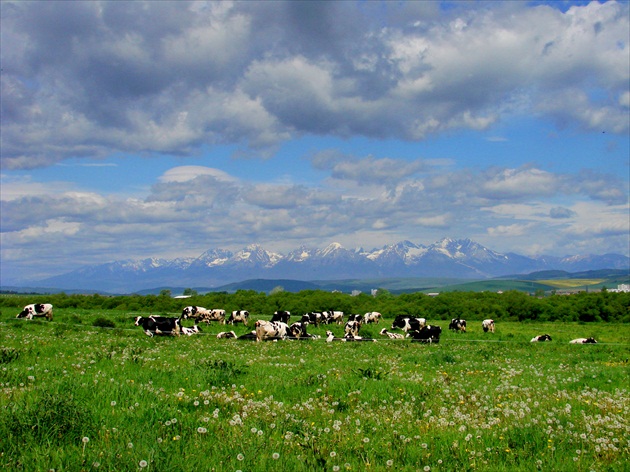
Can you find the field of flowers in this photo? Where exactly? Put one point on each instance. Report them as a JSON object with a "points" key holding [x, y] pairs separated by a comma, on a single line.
{"points": [[79, 397]]}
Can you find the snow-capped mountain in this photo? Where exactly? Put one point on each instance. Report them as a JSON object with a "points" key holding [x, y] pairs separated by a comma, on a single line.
{"points": [[460, 258]]}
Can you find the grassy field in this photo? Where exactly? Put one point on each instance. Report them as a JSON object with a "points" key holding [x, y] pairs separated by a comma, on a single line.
{"points": [[78, 397], [571, 283]]}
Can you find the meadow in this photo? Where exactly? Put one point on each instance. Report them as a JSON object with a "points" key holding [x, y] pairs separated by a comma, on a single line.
{"points": [[90, 391]]}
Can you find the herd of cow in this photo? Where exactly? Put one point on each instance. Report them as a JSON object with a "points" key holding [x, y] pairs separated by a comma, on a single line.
{"points": [[278, 327]]}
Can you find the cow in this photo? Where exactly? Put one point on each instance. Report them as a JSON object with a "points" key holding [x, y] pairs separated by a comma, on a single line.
{"points": [[227, 335], [428, 334], [372, 317], [298, 331], [352, 327], [271, 330], [330, 337], [351, 337], [207, 316], [153, 325], [458, 325], [408, 323], [37, 310], [283, 316], [190, 331], [355, 317], [239, 316], [312, 318], [335, 317], [583, 341], [251, 336], [384, 332], [191, 311], [487, 325], [541, 338]]}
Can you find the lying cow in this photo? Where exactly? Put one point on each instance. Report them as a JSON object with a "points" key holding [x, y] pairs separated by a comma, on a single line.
{"points": [[541, 338], [314, 318], [384, 332], [428, 334], [408, 323], [372, 317], [271, 330], [352, 327], [190, 331], [37, 310], [251, 336], [237, 316], [226, 335], [298, 331], [487, 325], [458, 325], [153, 325], [330, 337], [583, 341], [280, 315]]}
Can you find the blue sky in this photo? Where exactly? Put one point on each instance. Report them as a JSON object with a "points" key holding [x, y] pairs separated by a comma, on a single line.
{"points": [[164, 129]]}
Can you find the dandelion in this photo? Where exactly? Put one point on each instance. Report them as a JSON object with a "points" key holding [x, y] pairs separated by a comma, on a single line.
{"points": [[96, 465], [259, 433], [253, 430], [427, 468], [112, 403], [389, 463], [85, 440], [143, 464], [240, 457], [333, 453], [366, 440], [335, 468], [201, 430], [275, 455], [130, 445]]}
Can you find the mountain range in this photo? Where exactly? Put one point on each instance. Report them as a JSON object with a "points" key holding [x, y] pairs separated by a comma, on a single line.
{"points": [[456, 258]]}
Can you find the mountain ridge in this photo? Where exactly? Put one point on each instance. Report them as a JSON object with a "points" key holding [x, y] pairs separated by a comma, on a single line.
{"points": [[455, 258]]}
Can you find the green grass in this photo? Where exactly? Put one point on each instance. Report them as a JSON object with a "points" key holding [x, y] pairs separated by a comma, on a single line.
{"points": [[476, 401]]}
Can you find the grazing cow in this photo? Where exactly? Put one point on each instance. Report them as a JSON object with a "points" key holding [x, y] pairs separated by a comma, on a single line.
{"points": [[283, 316], [583, 341], [487, 325], [37, 310], [229, 334], [540, 338], [384, 332], [298, 331], [190, 331], [458, 325], [428, 334], [355, 317], [207, 316], [372, 317], [153, 325], [352, 327], [408, 323], [271, 330], [312, 318], [334, 316], [239, 315], [191, 311]]}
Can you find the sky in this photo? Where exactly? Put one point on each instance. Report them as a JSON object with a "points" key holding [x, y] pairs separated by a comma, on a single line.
{"points": [[164, 129]]}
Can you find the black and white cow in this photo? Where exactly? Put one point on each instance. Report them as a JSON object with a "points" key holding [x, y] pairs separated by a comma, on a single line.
{"points": [[216, 314], [352, 327], [37, 310], [541, 338], [228, 334], [190, 331], [237, 316], [334, 317], [408, 323], [458, 325], [583, 341], [191, 311], [298, 331], [384, 332], [428, 334], [283, 316], [355, 317], [372, 317], [251, 336], [330, 337], [314, 318], [487, 325], [271, 330], [153, 325]]}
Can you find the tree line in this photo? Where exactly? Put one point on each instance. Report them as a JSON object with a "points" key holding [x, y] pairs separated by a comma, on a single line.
{"points": [[508, 306]]}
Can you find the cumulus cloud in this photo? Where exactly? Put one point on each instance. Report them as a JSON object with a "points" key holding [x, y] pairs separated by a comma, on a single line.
{"points": [[86, 80]]}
